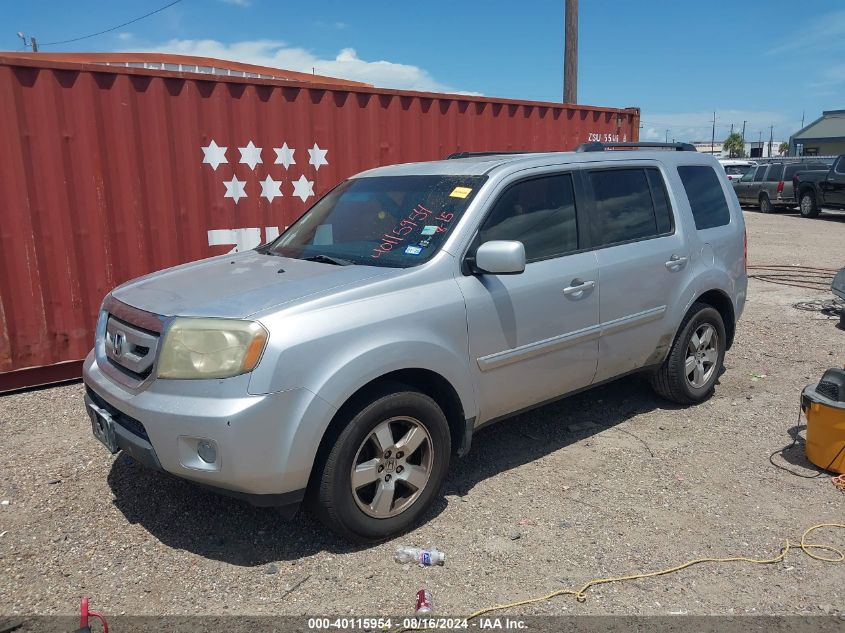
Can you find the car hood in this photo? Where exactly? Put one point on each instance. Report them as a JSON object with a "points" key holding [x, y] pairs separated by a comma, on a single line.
{"points": [[237, 285]]}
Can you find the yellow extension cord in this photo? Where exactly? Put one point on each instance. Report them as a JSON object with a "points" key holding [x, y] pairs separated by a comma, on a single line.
{"points": [[837, 556]]}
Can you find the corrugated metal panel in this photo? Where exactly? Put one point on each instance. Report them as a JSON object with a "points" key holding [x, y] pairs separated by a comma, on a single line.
{"points": [[103, 175]]}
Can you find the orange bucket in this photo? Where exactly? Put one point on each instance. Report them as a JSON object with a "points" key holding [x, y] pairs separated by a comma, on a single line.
{"points": [[824, 407]]}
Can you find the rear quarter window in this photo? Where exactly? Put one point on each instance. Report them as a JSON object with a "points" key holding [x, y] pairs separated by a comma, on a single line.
{"points": [[775, 173], [705, 195]]}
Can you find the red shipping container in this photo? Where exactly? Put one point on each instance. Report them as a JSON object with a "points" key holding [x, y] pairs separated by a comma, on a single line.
{"points": [[108, 173]]}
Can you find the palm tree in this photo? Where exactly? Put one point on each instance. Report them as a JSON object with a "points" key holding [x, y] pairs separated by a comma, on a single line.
{"points": [[734, 145], [783, 149]]}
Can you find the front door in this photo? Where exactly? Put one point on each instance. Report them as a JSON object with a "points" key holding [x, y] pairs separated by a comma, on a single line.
{"points": [[833, 186], [533, 336]]}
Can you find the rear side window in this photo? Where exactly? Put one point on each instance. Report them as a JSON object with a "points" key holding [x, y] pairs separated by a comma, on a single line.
{"points": [[540, 213], [631, 204], [775, 173], [706, 198], [758, 175], [840, 166]]}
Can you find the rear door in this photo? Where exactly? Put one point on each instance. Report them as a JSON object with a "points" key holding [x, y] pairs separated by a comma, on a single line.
{"points": [[643, 262], [772, 185]]}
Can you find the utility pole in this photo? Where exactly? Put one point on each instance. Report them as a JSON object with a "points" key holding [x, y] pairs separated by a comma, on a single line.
{"points": [[771, 138], [34, 44], [802, 119], [713, 136], [667, 136], [570, 54]]}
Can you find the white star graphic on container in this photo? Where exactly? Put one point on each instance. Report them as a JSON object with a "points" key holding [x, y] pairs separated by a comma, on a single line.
{"points": [[303, 187], [284, 156], [235, 189], [270, 188], [317, 157], [250, 155], [214, 155]]}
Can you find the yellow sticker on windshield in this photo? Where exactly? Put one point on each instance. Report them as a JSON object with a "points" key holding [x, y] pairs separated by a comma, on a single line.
{"points": [[460, 192]]}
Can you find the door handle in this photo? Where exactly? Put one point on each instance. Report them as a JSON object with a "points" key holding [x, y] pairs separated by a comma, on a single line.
{"points": [[578, 286], [676, 262]]}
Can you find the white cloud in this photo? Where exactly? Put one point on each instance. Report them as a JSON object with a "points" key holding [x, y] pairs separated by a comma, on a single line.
{"points": [[820, 34], [346, 64], [830, 77], [697, 126], [125, 37], [337, 26], [238, 3]]}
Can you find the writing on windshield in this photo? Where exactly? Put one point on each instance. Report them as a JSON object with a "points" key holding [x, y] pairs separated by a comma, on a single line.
{"points": [[396, 221]]}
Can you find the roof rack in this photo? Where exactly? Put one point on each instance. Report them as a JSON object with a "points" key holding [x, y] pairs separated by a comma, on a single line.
{"points": [[600, 147], [473, 154]]}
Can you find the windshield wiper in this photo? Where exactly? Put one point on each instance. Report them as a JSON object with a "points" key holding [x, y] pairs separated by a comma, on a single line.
{"points": [[328, 259]]}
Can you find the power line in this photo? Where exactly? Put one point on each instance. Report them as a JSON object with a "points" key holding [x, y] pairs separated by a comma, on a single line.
{"points": [[114, 28]]}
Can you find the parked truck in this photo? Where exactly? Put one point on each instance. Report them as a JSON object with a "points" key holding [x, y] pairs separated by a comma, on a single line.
{"points": [[820, 188]]}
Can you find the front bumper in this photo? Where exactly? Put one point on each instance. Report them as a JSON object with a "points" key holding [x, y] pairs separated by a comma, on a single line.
{"points": [[266, 444]]}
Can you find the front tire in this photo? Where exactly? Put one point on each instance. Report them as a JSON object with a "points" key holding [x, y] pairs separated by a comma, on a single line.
{"points": [[807, 204], [689, 373], [385, 468]]}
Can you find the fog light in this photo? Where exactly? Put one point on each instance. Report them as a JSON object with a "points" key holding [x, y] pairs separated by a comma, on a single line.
{"points": [[207, 450]]}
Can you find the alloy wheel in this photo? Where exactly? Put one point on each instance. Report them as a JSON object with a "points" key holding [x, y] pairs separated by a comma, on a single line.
{"points": [[806, 205], [702, 354], [392, 467]]}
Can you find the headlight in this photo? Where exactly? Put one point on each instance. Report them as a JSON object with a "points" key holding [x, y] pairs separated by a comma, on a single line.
{"points": [[211, 348]]}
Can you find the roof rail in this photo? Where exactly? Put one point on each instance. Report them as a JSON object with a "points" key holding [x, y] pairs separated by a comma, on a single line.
{"points": [[600, 147], [473, 154]]}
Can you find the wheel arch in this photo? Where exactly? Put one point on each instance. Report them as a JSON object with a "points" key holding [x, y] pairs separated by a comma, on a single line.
{"points": [[719, 300], [427, 381]]}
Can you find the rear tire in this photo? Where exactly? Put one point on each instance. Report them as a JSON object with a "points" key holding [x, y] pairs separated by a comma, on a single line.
{"points": [[369, 450], [807, 204], [689, 373], [766, 204]]}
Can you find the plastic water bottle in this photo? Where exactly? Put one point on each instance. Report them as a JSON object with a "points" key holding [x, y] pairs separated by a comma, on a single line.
{"points": [[423, 557]]}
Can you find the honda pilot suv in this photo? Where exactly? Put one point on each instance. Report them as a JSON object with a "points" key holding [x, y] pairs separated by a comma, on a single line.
{"points": [[346, 362]]}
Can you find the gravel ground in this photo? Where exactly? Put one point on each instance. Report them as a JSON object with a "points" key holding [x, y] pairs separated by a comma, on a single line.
{"points": [[608, 482]]}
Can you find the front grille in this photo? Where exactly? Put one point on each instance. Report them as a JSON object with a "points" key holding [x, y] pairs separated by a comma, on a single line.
{"points": [[129, 423], [130, 348]]}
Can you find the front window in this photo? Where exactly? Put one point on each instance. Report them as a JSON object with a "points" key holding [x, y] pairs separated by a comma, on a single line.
{"points": [[747, 176], [393, 221]]}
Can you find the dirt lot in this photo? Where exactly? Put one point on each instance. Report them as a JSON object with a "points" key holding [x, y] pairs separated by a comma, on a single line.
{"points": [[612, 481]]}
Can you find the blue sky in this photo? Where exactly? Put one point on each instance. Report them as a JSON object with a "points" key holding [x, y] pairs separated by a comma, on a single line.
{"points": [[763, 61]]}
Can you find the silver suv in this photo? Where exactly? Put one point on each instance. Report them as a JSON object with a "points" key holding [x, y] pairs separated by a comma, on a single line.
{"points": [[345, 362]]}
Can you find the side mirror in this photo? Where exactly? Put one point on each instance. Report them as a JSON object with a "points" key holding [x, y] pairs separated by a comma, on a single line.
{"points": [[500, 257]]}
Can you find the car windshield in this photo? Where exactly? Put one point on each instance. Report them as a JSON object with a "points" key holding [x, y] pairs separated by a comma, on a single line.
{"points": [[394, 221]]}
